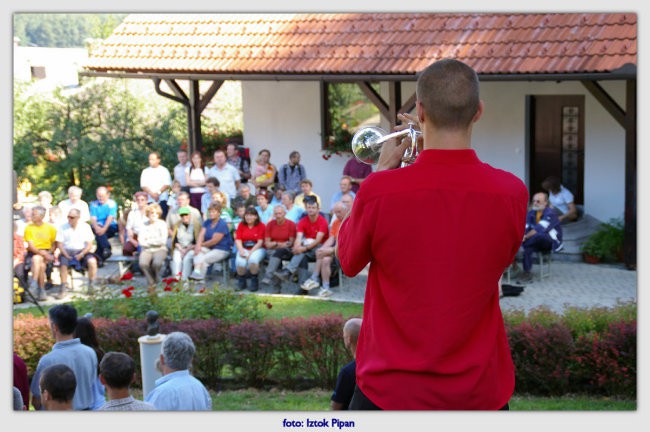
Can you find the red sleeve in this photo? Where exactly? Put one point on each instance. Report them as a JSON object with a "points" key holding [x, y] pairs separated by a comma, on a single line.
{"points": [[267, 230], [354, 238], [292, 229], [301, 225], [260, 230]]}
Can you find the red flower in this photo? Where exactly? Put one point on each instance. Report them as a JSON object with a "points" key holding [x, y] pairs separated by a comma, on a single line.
{"points": [[170, 280], [127, 293], [269, 305], [325, 157], [131, 288], [202, 290], [126, 276], [167, 288]]}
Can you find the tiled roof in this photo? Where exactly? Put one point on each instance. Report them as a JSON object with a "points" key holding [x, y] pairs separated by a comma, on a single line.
{"points": [[368, 43]]}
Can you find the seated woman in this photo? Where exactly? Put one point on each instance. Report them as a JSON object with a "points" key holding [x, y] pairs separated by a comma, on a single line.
{"points": [[152, 239], [561, 199], [249, 239], [213, 245]]}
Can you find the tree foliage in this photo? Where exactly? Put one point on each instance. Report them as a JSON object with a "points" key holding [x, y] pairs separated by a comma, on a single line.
{"points": [[97, 134], [63, 30]]}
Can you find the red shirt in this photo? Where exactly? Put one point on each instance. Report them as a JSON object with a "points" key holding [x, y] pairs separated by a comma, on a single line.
{"points": [[432, 336], [280, 233], [311, 229], [245, 233]]}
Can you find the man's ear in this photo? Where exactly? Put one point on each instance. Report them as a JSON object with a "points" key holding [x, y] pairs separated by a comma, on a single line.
{"points": [[102, 380], [45, 396], [419, 112], [479, 112]]}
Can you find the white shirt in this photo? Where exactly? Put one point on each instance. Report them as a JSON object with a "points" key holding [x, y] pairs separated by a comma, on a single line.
{"points": [[80, 205], [179, 172], [561, 200], [155, 179], [75, 238], [135, 220], [195, 175], [227, 176]]}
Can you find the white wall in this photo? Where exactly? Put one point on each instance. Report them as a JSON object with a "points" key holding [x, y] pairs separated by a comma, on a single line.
{"points": [[285, 116]]}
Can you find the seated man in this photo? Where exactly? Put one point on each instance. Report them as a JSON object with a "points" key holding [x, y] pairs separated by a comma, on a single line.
{"points": [[278, 240], [345, 186], [75, 242], [244, 196], [103, 220], [184, 237], [41, 244], [311, 232], [347, 377], [116, 373], [57, 385], [543, 233], [177, 390], [306, 186], [294, 212], [325, 255], [183, 200]]}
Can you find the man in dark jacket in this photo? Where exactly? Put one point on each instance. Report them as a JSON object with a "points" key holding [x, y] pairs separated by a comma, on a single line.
{"points": [[543, 232]]}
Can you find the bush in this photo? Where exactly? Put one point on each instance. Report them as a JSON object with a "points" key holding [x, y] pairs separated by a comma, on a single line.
{"points": [[541, 355], [607, 242]]}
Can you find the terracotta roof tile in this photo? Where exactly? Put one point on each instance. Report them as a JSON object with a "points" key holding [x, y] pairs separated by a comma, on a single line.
{"points": [[372, 43]]}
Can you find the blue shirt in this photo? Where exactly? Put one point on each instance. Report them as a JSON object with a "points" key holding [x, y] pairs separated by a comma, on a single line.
{"points": [[221, 227], [265, 216], [179, 391], [103, 211], [83, 362], [337, 197], [295, 214]]}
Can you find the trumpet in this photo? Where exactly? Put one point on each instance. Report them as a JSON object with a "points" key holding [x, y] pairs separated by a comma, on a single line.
{"points": [[367, 143]]}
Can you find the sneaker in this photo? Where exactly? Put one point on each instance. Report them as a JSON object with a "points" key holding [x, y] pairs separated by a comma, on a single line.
{"points": [[325, 292], [283, 274], [196, 275], [41, 296], [300, 291], [559, 248], [309, 284]]}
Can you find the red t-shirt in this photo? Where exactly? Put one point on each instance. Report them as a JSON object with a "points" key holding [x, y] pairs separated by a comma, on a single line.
{"points": [[311, 229], [432, 336], [247, 234], [280, 233]]}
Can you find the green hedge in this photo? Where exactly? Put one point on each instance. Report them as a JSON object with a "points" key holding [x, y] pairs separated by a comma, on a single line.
{"points": [[590, 351]]}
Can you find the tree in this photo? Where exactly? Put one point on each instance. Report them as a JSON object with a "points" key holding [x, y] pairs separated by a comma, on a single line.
{"points": [[98, 134], [63, 30]]}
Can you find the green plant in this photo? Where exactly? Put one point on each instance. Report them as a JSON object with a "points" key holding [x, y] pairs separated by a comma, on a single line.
{"points": [[607, 242]]}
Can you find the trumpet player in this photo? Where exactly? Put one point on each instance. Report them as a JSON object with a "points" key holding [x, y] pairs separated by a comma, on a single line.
{"points": [[433, 336]]}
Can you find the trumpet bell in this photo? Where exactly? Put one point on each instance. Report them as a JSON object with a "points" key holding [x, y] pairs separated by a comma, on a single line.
{"points": [[366, 144]]}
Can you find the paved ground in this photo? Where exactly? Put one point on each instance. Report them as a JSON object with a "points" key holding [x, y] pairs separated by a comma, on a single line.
{"points": [[570, 284]]}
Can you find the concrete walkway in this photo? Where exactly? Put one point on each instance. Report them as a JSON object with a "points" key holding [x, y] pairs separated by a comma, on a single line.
{"points": [[570, 284]]}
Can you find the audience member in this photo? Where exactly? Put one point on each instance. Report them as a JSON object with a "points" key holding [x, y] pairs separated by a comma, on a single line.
{"points": [[25, 219], [561, 200], [134, 223], [306, 187], [276, 196], [195, 178], [177, 390], [294, 212], [325, 255], [153, 245], [69, 351], [238, 161], [21, 379], [279, 236], [74, 201], [291, 174], [19, 404], [263, 171], [75, 242], [263, 208], [172, 199], [214, 243], [173, 217], [226, 211], [228, 176], [156, 181], [45, 200], [358, 171], [543, 233], [249, 239], [311, 232], [58, 386], [57, 217], [103, 221], [244, 197], [211, 186], [345, 186], [184, 236], [347, 377], [19, 259], [41, 244], [87, 334], [179, 169], [117, 373]]}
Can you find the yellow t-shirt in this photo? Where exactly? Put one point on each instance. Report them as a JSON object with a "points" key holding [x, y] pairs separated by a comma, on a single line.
{"points": [[42, 237]]}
